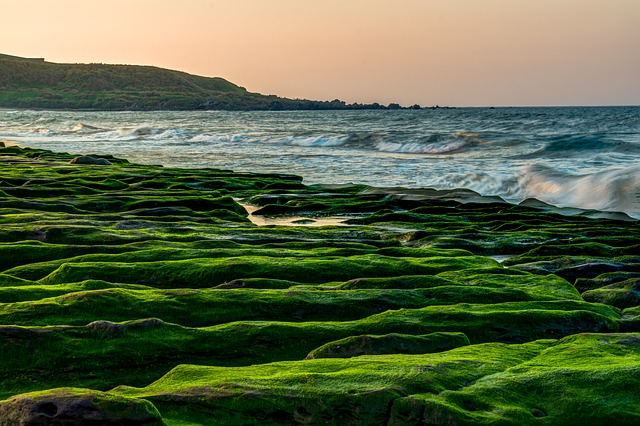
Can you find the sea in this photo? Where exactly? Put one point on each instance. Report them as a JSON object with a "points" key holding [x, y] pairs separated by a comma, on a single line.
{"points": [[583, 158]]}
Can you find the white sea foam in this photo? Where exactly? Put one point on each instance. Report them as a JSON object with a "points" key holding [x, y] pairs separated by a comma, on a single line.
{"points": [[85, 128], [609, 190], [320, 141], [419, 148]]}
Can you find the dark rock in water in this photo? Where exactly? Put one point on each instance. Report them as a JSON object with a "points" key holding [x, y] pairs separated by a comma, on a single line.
{"points": [[303, 221], [71, 406], [389, 344], [86, 159]]}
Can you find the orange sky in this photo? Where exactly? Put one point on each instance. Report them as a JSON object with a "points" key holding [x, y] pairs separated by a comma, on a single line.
{"points": [[446, 52]]}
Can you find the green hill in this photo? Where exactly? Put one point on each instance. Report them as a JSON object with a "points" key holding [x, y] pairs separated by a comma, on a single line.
{"points": [[35, 83]]}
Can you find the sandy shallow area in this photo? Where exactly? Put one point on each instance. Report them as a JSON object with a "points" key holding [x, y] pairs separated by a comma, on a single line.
{"points": [[9, 143], [292, 220]]}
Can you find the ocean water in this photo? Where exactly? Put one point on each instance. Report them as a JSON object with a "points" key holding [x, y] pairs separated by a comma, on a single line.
{"points": [[580, 157]]}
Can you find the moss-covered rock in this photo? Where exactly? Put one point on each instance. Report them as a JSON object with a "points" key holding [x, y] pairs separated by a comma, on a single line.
{"points": [[548, 381], [70, 406], [624, 294], [389, 344], [582, 379]]}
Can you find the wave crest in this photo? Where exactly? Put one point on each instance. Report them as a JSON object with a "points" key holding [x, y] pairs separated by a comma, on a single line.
{"points": [[85, 128], [609, 190], [436, 144]]}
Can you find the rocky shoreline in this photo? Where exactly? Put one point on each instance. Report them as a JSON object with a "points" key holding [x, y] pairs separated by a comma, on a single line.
{"points": [[134, 294]]}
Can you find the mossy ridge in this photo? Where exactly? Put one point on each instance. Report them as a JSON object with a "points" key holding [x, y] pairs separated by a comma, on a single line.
{"points": [[631, 319], [624, 294], [29, 252], [490, 229], [582, 379], [80, 303], [107, 354], [211, 272], [574, 268], [11, 281], [134, 253], [366, 383], [187, 206], [488, 384], [30, 291], [33, 253], [608, 278], [453, 387], [386, 344], [540, 286]]}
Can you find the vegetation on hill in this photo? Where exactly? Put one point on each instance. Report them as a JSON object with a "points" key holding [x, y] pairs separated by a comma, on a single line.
{"points": [[35, 83]]}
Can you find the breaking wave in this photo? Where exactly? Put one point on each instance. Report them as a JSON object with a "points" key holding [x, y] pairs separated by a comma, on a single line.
{"points": [[435, 144], [609, 190], [153, 133], [567, 157], [86, 128], [564, 146]]}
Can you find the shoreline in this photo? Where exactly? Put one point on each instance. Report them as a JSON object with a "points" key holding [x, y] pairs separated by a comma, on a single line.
{"points": [[459, 194]]}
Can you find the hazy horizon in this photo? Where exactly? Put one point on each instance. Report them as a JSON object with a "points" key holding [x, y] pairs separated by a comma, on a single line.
{"points": [[463, 53]]}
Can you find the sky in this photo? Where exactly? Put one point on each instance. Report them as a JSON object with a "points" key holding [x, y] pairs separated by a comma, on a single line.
{"points": [[429, 52]]}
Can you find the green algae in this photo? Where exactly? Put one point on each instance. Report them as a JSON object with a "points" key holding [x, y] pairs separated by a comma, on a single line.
{"points": [[107, 354], [83, 302], [546, 381], [323, 391], [624, 294], [134, 253], [582, 379], [30, 291], [119, 275], [77, 406], [389, 344]]}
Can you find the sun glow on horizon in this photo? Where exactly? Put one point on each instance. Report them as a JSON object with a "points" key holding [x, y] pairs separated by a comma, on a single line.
{"points": [[494, 52]]}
